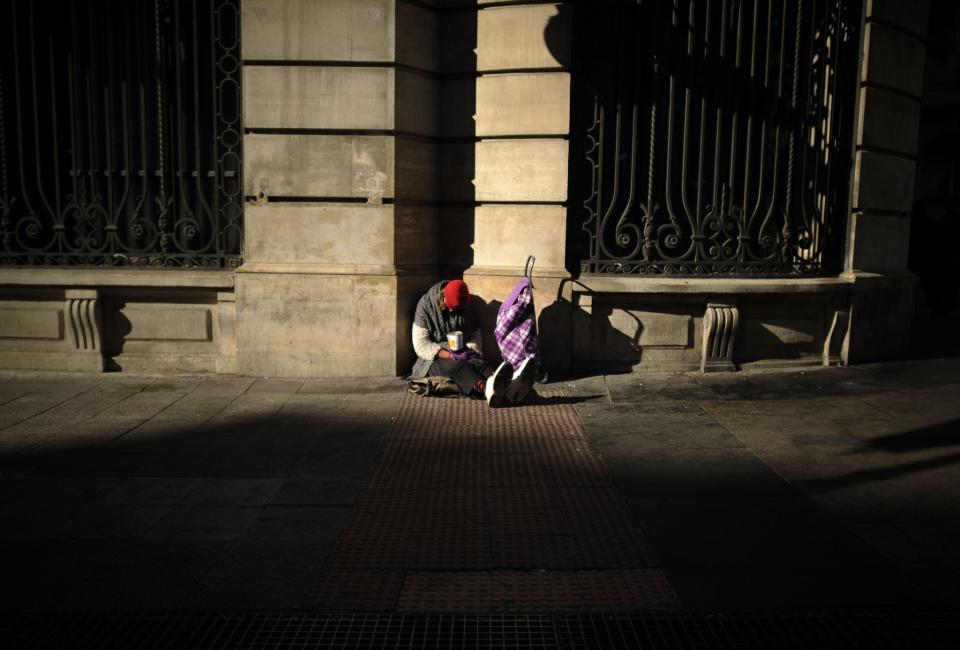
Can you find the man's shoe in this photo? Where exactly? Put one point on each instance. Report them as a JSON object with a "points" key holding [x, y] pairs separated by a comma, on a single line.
{"points": [[497, 384], [522, 382]]}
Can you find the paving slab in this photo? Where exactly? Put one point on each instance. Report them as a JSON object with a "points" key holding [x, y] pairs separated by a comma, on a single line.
{"points": [[231, 492], [833, 488], [209, 523], [270, 385], [223, 385], [173, 384], [353, 386], [640, 389], [317, 491], [150, 491]]}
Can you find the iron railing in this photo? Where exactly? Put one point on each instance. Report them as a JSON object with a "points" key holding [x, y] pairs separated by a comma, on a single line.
{"points": [[713, 137], [120, 133]]}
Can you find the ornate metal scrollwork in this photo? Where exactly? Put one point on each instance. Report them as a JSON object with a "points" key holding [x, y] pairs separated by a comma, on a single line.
{"points": [[120, 134], [713, 137]]}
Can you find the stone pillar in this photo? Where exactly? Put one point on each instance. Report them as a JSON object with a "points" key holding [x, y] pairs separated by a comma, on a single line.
{"points": [[516, 159], [891, 82], [338, 116]]}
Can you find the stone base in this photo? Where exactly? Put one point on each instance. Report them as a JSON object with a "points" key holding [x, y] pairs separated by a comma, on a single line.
{"points": [[103, 319], [714, 325], [881, 313], [717, 366], [312, 324], [618, 324], [56, 361]]}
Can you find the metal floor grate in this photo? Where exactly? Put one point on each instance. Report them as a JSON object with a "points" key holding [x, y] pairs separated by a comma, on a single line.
{"points": [[876, 630], [474, 510]]}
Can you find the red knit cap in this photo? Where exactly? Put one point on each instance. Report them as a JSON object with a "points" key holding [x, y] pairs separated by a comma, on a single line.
{"points": [[456, 295]]}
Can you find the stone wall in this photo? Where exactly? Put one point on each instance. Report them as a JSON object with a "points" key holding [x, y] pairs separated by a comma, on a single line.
{"points": [[340, 111], [935, 222], [891, 82], [389, 143], [506, 118]]}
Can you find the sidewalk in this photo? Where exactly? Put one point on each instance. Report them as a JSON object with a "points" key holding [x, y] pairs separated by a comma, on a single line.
{"points": [[830, 489]]}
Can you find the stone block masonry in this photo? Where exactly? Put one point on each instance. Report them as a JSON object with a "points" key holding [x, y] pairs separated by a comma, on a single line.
{"points": [[891, 82], [334, 139], [389, 143]]}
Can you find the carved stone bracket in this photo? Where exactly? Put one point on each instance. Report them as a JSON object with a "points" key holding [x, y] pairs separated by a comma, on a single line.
{"points": [[836, 339], [82, 311], [719, 330]]}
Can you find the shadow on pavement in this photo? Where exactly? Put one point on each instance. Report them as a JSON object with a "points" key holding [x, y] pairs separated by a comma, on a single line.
{"points": [[233, 508], [946, 434], [862, 476]]}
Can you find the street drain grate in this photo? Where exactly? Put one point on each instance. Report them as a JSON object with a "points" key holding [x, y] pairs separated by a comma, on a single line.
{"points": [[877, 630]]}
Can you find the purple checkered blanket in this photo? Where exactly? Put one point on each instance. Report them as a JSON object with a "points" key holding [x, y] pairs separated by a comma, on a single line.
{"points": [[516, 330]]}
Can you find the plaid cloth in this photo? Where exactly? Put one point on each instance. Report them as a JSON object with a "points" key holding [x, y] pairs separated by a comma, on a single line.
{"points": [[516, 331]]}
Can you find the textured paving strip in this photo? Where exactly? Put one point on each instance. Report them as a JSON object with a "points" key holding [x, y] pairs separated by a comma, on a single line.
{"points": [[474, 510]]}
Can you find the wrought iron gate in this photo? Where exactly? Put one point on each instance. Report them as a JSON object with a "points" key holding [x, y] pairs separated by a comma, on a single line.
{"points": [[713, 137], [120, 133]]}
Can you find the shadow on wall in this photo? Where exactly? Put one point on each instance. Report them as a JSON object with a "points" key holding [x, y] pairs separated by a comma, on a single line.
{"points": [[757, 342], [458, 131], [488, 322], [444, 156], [935, 222], [556, 35], [563, 327], [597, 345], [457, 192], [116, 328]]}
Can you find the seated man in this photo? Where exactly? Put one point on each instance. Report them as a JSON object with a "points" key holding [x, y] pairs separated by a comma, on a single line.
{"points": [[446, 307]]}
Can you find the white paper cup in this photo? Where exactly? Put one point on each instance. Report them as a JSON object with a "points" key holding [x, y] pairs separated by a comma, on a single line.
{"points": [[455, 340]]}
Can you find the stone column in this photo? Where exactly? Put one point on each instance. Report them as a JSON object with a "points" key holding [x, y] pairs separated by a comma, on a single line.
{"points": [[517, 159], [337, 118], [891, 82]]}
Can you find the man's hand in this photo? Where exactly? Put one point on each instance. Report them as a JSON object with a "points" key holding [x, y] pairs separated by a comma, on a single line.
{"points": [[463, 355]]}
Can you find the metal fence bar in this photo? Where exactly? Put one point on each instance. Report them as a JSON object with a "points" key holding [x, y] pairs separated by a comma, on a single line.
{"points": [[120, 134], [743, 166]]}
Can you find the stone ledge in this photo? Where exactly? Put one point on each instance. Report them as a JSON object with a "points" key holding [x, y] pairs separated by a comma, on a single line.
{"points": [[517, 271], [82, 277], [864, 281], [335, 269], [608, 284]]}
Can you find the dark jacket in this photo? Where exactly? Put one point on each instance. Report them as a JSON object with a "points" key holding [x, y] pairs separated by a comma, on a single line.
{"points": [[438, 321]]}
